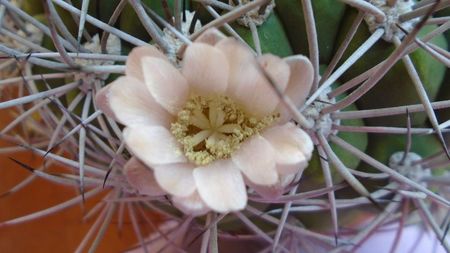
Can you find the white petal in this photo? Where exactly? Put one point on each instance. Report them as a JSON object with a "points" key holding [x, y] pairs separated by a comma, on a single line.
{"points": [[291, 144], [128, 101], [273, 191], [176, 178], [192, 204], [142, 178], [211, 37], [221, 186], [300, 82], [134, 60], [206, 69], [101, 101], [256, 159], [166, 84], [247, 83], [153, 145], [288, 169], [276, 68]]}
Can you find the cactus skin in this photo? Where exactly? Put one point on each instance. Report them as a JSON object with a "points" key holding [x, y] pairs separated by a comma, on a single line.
{"points": [[130, 23], [327, 19], [444, 91], [33, 7], [444, 13], [272, 37], [395, 88]]}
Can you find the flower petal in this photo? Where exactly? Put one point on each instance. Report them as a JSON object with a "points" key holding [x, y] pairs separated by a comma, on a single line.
{"points": [[211, 37], [176, 178], [247, 84], [142, 178], [300, 82], [221, 186], [288, 169], [153, 145], [133, 66], [192, 204], [128, 101], [272, 191], [276, 68], [256, 159], [292, 145], [206, 69], [166, 84]]}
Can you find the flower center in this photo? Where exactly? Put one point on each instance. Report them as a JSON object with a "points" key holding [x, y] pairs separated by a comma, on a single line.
{"points": [[211, 128]]}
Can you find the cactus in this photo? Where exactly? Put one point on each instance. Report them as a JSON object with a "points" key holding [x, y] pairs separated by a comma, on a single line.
{"points": [[378, 75]]}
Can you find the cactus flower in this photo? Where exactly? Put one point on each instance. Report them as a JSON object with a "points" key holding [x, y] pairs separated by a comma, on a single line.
{"points": [[206, 130]]}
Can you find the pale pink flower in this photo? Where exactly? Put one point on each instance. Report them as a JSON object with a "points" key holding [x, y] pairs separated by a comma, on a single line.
{"points": [[204, 129]]}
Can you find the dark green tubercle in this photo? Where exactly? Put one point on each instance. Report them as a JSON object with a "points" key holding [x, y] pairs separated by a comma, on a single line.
{"points": [[328, 15], [444, 13], [202, 13], [396, 87], [33, 7], [271, 35], [382, 146], [95, 9], [444, 92], [99, 9], [130, 23]]}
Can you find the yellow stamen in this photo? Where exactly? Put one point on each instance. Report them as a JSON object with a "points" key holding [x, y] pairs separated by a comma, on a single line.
{"points": [[206, 139], [229, 128], [199, 137], [199, 120]]}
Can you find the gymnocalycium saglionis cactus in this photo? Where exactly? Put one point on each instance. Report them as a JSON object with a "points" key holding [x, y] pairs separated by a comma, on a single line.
{"points": [[240, 125]]}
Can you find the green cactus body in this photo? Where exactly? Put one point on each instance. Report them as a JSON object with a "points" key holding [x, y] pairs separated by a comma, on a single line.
{"points": [[396, 87], [328, 15], [382, 148], [271, 35], [444, 92], [444, 13], [100, 9], [33, 7], [202, 13], [130, 23]]}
